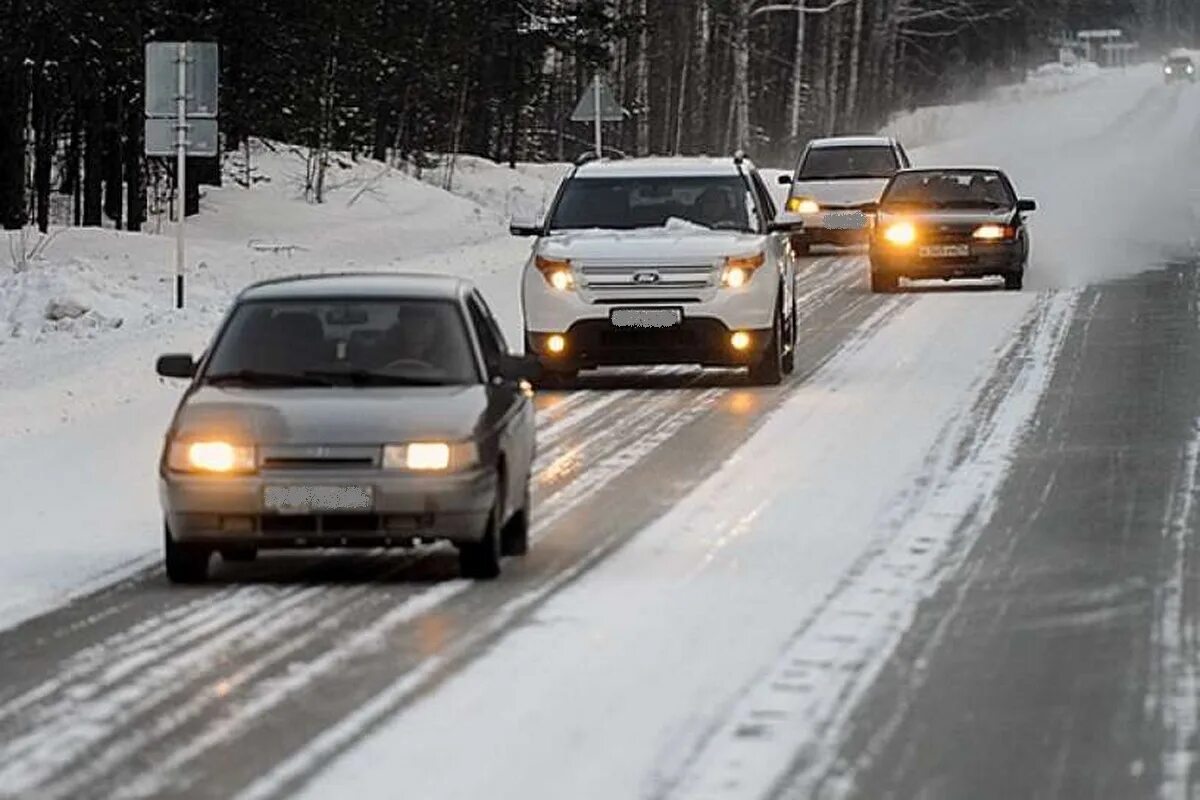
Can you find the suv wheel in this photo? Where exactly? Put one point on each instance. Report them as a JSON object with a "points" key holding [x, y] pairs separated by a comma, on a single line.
{"points": [[1014, 281], [770, 368], [557, 379], [789, 356], [185, 563]]}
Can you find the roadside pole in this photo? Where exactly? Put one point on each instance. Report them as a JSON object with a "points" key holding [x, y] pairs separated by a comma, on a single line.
{"points": [[181, 146], [599, 116]]}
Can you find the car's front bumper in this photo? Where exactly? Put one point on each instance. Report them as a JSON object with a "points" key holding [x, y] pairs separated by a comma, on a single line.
{"points": [[985, 261], [231, 510], [597, 343]]}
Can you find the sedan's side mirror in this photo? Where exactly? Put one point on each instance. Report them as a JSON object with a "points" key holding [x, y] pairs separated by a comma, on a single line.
{"points": [[525, 227], [519, 368], [176, 365], [869, 208], [1026, 205], [785, 179]]}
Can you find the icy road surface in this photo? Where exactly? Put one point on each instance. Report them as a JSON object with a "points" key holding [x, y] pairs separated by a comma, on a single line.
{"points": [[953, 557]]}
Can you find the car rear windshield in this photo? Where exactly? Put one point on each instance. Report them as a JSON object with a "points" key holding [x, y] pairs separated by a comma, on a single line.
{"points": [[344, 342], [950, 189], [716, 202], [845, 163]]}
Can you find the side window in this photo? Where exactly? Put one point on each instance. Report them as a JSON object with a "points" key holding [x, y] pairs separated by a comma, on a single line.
{"points": [[766, 204], [488, 336]]}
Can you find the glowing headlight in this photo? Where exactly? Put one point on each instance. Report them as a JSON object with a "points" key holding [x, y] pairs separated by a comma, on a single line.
{"points": [[803, 205], [556, 272], [429, 456], [901, 233], [213, 456], [993, 232], [557, 344], [739, 271]]}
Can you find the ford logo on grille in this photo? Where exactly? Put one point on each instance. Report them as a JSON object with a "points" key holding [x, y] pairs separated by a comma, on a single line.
{"points": [[647, 277]]}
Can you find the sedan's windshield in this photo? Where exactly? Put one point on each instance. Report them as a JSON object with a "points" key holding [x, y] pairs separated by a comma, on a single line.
{"points": [[343, 343], [846, 163], [717, 202], [950, 189]]}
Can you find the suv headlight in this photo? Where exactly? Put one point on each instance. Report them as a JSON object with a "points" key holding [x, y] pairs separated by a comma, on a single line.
{"points": [[738, 271], [211, 456], [430, 456], [556, 272], [803, 205]]}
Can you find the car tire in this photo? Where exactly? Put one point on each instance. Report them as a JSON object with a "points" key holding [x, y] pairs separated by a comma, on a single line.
{"points": [[802, 247], [514, 540], [554, 379], [184, 563], [480, 560], [769, 369], [1014, 281], [789, 356], [239, 555], [883, 283]]}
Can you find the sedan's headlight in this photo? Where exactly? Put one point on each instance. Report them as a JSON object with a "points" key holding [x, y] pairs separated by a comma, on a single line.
{"points": [[556, 272], [993, 233], [900, 233], [738, 271], [803, 205], [430, 456], [212, 456]]}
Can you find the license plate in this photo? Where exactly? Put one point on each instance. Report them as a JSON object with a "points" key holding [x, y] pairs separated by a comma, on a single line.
{"points": [[317, 499], [646, 317], [946, 251], [846, 221]]}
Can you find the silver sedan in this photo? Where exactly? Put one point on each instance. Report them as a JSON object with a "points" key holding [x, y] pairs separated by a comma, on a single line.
{"points": [[350, 411]]}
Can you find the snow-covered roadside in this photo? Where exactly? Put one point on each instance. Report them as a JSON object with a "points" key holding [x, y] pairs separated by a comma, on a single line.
{"points": [[81, 412], [650, 649]]}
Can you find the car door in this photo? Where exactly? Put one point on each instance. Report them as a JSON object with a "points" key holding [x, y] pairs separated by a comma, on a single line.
{"points": [[510, 408]]}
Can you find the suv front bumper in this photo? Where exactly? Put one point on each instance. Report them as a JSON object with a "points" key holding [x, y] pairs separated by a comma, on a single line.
{"points": [[598, 343]]}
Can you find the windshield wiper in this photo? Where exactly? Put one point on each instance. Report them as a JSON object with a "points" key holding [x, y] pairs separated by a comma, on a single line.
{"points": [[254, 377], [362, 377]]}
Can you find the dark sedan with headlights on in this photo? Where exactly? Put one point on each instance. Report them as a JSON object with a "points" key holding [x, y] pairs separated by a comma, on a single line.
{"points": [[350, 411], [949, 223]]}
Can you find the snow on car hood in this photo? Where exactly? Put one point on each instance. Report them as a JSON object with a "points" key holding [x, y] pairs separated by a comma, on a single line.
{"points": [[841, 192], [678, 240]]}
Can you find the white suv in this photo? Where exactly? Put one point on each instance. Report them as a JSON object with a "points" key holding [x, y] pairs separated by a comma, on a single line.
{"points": [[661, 261], [833, 180]]}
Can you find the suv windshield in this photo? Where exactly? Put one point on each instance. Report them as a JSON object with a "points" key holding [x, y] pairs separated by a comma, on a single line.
{"points": [[845, 163], [717, 202], [950, 189], [344, 343]]}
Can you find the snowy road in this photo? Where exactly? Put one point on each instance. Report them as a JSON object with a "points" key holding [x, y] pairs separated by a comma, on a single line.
{"points": [[954, 556]]}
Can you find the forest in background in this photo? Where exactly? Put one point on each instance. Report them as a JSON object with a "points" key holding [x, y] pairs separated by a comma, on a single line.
{"points": [[405, 80]]}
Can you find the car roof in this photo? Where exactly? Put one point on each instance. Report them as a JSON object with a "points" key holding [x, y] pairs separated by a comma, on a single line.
{"points": [[918, 170], [851, 141], [662, 168], [358, 285]]}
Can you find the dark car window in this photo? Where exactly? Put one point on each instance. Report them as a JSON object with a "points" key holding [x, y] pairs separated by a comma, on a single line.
{"points": [[833, 163], [493, 346], [950, 189], [765, 202], [718, 202], [340, 342]]}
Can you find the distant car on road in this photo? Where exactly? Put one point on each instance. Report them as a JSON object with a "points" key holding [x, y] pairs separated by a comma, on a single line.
{"points": [[832, 181], [1179, 67], [661, 261], [949, 223], [357, 411]]}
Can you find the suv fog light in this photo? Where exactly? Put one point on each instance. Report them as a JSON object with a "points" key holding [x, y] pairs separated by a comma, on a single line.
{"points": [[556, 344], [740, 341]]}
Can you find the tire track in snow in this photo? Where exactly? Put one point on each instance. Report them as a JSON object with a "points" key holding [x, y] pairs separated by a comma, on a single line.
{"points": [[782, 731]]}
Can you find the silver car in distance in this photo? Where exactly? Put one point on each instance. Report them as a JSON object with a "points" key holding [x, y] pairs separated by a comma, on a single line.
{"points": [[350, 411]]}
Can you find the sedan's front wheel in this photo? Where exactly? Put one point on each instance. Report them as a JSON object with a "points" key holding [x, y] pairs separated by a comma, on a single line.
{"points": [[481, 560], [883, 283], [185, 563]]}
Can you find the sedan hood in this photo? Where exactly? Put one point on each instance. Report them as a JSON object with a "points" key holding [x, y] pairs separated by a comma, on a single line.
{"points": [[953, 219], [677, 242], [842, 192], [335, 416]]}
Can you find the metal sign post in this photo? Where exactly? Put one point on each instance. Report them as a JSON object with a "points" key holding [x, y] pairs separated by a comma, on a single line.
{"points": [[598, 105], [181, 121]]}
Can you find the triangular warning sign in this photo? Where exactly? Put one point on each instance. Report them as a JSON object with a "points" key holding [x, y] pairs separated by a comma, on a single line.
{"points": [[610, 109]]}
